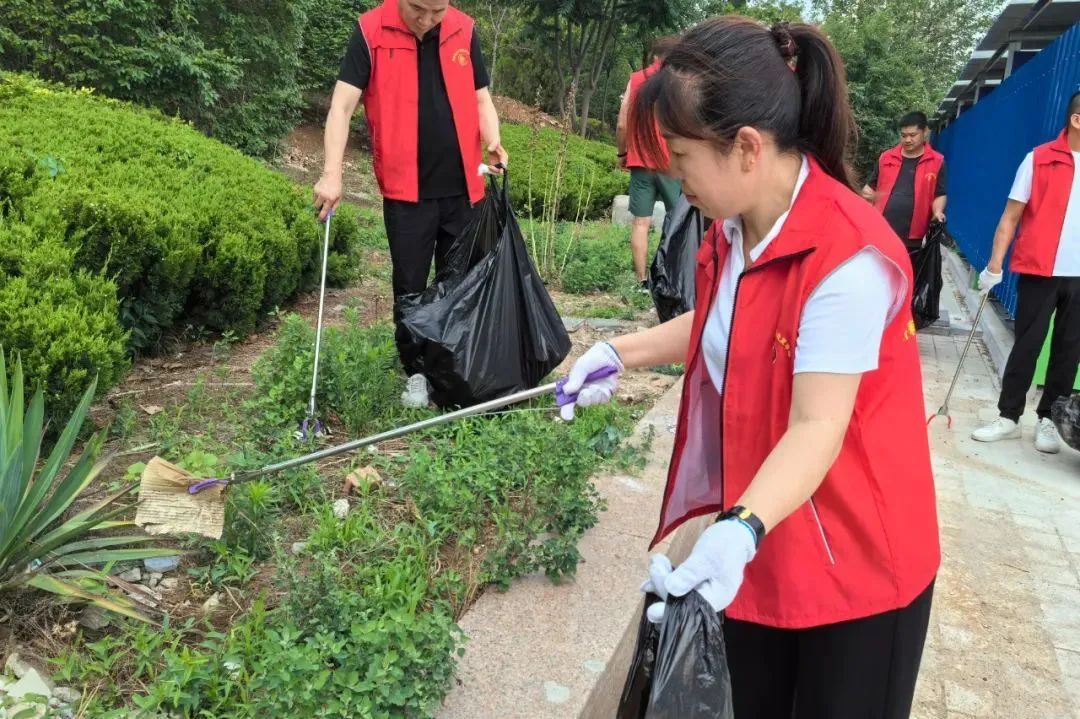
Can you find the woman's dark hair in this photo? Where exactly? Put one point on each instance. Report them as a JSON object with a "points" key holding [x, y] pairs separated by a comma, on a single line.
{"points": [[732, 72]]}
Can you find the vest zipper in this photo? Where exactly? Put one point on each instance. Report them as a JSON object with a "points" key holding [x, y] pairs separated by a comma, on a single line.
{"points": [[731, 333], [821, 529]]}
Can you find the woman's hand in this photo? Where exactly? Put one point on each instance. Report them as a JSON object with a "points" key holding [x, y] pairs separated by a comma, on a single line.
{"points": [[714, 568], [600, 356]]}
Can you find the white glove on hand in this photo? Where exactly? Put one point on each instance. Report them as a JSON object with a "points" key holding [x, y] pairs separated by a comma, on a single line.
{"points": [[598, 357], [714, 568], [989, 280]]}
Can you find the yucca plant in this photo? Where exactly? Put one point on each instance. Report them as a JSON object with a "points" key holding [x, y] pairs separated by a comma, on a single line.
{"points": [[38, 547]]}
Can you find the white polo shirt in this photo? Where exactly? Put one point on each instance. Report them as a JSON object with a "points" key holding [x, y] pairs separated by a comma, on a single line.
{"points": [[843, 321]]}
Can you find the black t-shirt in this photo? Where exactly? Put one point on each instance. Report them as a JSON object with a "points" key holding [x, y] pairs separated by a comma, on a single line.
{"points": [[442, 173], [901, 203]]}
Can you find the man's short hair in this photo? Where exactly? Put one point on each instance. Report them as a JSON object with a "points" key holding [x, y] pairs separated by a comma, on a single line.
{"points": [[914, 119], [1073, 108]]}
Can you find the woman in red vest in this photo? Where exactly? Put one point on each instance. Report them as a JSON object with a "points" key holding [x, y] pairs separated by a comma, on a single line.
{"points": [[802, 420]]}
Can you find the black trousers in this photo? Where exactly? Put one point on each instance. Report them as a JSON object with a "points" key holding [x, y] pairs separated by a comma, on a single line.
{"points": [[419, 232], [862, 669], [1037, 300]]}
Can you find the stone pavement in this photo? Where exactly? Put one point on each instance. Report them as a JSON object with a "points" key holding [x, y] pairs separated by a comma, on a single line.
{"points": [[1005, 631]]}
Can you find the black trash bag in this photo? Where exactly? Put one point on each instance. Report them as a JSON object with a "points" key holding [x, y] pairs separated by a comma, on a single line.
{"points": [[487, 327], [926, 263], [1066, 417], [671, 277], [679, 669]]}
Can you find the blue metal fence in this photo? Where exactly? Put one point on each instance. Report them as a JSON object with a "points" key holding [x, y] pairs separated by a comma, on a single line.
{"points": [[986, 144]]}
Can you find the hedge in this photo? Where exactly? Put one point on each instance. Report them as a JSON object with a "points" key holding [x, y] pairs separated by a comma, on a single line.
{"points": [[184, 230], [591, 177]]}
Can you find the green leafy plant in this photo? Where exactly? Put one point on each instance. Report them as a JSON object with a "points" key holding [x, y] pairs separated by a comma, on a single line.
{"points": [[38, 547]]}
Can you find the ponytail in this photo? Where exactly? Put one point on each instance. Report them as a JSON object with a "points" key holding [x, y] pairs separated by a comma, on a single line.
{"points": [[826, 126], [732, 72]]}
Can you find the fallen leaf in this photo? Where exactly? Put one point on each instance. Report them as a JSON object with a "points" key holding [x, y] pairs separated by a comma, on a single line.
{"points": [[360, 477], [151, 409]]}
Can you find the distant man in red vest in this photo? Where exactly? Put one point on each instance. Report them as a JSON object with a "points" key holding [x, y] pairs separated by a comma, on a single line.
{"points": [[908, 183], [418, 68], [647, 180], [1045, 204]]}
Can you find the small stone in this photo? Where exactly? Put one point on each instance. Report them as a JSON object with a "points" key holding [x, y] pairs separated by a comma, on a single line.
{"points": [[94, 617], [131, 575], [363, 477], [212, 604], [298, 547], [341, 508], [161, 565], [168, 584], [67, 695], [556, 693], [154, 579], [31, 684], [16, 666], [38, 710]]}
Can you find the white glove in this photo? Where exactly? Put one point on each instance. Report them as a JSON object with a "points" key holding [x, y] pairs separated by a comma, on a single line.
{"points": [[714, 568], [600, 356], [989, 280]]}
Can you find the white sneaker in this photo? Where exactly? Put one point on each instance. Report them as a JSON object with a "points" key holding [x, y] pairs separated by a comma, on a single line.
{"points": [[415, 395], [1047, 439], [997, 430]]}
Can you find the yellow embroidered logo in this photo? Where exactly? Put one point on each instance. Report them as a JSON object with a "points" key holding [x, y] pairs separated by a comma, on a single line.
{"points": [[930, 177], [909, 331], [783, 342], [461, 57]]}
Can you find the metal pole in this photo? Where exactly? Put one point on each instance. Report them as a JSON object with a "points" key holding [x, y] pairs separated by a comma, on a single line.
{"points": [[318, 327], [396, 433]]}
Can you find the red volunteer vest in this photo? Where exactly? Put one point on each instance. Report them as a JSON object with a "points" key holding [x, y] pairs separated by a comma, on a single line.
{"points": [[867, 542], [634, 156], [1036, 247], [392, 99], [925, 183]]}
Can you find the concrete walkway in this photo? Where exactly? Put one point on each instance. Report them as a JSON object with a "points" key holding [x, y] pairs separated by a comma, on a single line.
{"points": [[1005, 631]]}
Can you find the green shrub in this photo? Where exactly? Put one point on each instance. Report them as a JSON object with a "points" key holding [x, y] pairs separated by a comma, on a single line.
{"points": [[191, 231], [590, 180], [228, 66], [63, 324], [324, 40], [597, 257]]}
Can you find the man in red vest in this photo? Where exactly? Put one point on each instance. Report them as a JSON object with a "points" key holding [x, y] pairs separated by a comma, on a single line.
{"points": [[647, 181], [418, 68], [1045, 204], [908, 183]]}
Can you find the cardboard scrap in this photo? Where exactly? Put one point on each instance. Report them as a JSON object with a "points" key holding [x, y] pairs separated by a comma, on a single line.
{"points": [[165, 507]]}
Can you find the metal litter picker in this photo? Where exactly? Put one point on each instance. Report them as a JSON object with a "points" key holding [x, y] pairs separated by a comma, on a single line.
{"points": [[944, 409], [311, 427], [172, 501]]}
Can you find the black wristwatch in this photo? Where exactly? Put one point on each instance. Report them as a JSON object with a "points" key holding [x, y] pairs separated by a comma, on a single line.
{"points": [[748, 518]]}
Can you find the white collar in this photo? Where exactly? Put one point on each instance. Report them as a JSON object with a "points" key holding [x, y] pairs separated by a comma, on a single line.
{"points": [[733, 228]]}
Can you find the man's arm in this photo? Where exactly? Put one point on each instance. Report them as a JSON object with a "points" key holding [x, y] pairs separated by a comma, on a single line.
{"points": [[940, 199], [869, 190], [342, 106], [621, 127], [939, 208], [1005, 234], [489, 129]]}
